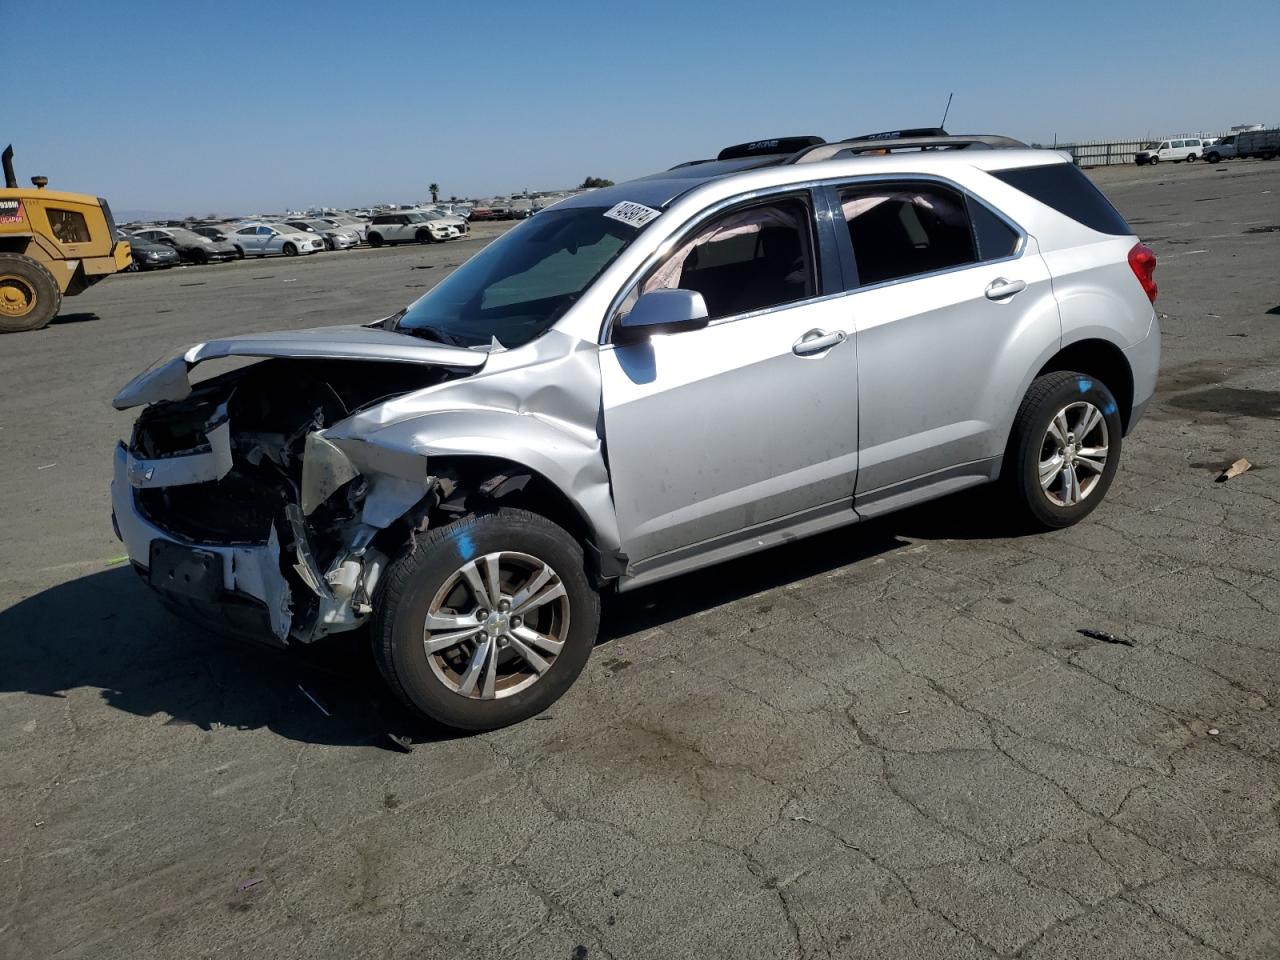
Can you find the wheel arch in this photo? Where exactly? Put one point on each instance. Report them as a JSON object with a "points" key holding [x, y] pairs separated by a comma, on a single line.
{"points": [[1102, 360]]}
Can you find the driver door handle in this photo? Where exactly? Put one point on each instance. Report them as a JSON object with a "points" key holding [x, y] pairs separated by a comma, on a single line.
{"points": [[1002, 289], [818, 341]]}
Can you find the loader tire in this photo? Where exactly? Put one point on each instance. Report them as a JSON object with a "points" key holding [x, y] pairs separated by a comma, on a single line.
{"points": [[29, 296]]}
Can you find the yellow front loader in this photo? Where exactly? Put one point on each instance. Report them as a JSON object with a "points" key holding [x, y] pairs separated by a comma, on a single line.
{"points": [[52, 245]]}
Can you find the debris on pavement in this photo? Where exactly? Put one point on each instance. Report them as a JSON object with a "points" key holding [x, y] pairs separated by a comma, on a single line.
{"points": [[320, 706], [112, 561], [47, 466], [1214, 731], [579, 952], [1105, 637], [403, 744], [1237, 468], [619, 891], [251, 882]]}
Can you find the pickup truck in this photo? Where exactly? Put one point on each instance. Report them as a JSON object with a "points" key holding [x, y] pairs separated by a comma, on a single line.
{"points": [[1224, 148], [1264, 144]]}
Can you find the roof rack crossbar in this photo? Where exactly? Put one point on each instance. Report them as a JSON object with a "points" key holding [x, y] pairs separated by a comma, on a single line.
{"points": [[827, 151]]}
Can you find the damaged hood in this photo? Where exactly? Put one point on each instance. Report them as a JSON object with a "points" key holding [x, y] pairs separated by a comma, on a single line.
{"points": [[170, 379]]}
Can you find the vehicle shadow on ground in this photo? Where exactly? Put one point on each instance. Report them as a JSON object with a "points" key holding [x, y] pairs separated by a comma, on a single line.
{"points": [[106, 632], [74, 318]]}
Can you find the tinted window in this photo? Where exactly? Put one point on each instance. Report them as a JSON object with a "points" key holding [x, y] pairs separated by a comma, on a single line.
{"points": [[747, 260], [248, 230], [1177, 144], [1067, 190], [908, 229], [995, 238], [381, 220], [68, 226]]}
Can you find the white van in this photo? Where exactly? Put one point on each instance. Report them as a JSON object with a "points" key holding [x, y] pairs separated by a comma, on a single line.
{"points": [[1175, 150]]}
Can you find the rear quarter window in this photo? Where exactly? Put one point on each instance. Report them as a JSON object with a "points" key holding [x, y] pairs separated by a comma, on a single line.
{"points": [[1067, 190]]}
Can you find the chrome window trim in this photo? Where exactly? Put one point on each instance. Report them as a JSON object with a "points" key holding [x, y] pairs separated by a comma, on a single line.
{"points": [[667, 245], [1019, 250]]}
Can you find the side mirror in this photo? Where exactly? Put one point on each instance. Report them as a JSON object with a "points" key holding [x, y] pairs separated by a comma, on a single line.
{"points": [[661, 311]]}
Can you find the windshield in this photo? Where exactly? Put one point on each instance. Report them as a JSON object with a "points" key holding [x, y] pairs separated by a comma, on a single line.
{"points": [[519, 285]]}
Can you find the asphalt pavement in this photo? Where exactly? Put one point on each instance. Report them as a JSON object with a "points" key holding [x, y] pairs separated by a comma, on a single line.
{"points": [[887, 742]]}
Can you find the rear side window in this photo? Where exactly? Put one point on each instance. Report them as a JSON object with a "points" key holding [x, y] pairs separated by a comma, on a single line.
{"points": [[905, 230], [1067, 190]]}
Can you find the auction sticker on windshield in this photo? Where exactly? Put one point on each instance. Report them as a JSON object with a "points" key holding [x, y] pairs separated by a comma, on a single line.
{"points": [[10, 211], [632, 214]]}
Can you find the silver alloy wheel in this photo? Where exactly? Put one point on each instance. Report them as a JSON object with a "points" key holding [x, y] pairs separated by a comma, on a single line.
{"points": [[1073, 454], [496, 625]]}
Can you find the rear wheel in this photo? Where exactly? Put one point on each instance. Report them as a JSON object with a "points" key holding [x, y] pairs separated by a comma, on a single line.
{"points": [[29, 296], [487, 621], [1191, 158], [1064, 449], [289, 250]]}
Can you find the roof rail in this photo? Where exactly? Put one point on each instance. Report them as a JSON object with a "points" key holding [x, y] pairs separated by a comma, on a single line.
{"points": [[827, 151]]}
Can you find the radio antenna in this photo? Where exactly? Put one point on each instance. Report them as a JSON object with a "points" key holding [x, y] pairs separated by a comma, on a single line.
{"points": [[943, 124]]}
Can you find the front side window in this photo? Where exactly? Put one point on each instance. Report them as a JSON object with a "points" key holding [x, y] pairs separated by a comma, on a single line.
{"points": [[905, 230], [519, 285], [748, 260], [68, 226]]}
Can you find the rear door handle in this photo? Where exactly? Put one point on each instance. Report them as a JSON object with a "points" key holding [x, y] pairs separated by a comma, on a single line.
{"points": [[1002, 289], [817, 341]]}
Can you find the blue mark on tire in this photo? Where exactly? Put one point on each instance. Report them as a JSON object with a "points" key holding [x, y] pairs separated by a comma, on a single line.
{"points": [[1109, 409], [1084, 385], [465, 547]]}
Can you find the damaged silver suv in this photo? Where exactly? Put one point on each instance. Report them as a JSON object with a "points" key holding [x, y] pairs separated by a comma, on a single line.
{"points": [[641, 381]]}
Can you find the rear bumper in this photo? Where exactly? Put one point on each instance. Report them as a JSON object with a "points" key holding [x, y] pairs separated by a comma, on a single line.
{"points": [[1144, 362], [253, 592]]}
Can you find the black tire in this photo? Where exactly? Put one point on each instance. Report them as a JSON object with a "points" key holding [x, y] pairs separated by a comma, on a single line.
{"points": [[1020, 474], [1153, 161], [29, 296], [1191, 158], [1212, 157], [201, 258], [239, 252], [407, 589], [423, 236], [289, 250], [375, 239]]}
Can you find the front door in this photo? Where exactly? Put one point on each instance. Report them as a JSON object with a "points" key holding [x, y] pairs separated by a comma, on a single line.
{"points": [[750, 421]]}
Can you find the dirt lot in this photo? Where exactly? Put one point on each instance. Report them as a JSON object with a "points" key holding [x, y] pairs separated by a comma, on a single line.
{"points": [[889, 742]]}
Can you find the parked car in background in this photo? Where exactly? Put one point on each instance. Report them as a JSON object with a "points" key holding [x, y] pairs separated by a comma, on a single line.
{"points": [[265, 239], [1262, 144], [447, 218], [389, 228], [335, 238], [482, 213], [1170, 150], [856, 335], [344, 221], [213, 233], [149, 255], [192, 247], [1223, 148]]}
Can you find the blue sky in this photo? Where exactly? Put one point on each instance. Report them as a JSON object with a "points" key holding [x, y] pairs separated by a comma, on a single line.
{"points": [[236, 106]]}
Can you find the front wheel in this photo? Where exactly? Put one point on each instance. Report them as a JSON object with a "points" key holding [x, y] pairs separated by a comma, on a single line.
{"points": [[486, 621], [290, 250], [1212, 157], [1064, 449], [1153, 161], [424, 236], [375, 239]]}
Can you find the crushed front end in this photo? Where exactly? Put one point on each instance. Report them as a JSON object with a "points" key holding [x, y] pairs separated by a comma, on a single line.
{"points": [[240, 513]]}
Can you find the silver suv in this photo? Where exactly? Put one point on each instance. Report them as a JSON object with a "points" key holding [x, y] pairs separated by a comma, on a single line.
{"points": [[638, 382]]}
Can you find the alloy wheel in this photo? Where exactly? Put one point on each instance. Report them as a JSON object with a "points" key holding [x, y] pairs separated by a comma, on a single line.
{"points": [[1073, 453], [496, 625]]}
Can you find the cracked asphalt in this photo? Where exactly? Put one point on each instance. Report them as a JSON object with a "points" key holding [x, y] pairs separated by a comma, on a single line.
{"points": [[888, 742]]}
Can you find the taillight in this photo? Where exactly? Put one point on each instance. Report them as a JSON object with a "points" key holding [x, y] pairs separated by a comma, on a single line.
{"points": [[1142, 261]]}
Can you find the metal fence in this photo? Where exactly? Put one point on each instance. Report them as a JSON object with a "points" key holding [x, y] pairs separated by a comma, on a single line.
{"points": [[1101, 153]]}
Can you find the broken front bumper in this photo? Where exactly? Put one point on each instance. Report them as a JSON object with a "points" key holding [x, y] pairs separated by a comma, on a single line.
{"points": [[240, 586]]}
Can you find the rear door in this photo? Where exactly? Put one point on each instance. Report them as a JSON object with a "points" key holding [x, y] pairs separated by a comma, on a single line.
{"points": [[751, 421], [951, 303]]}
